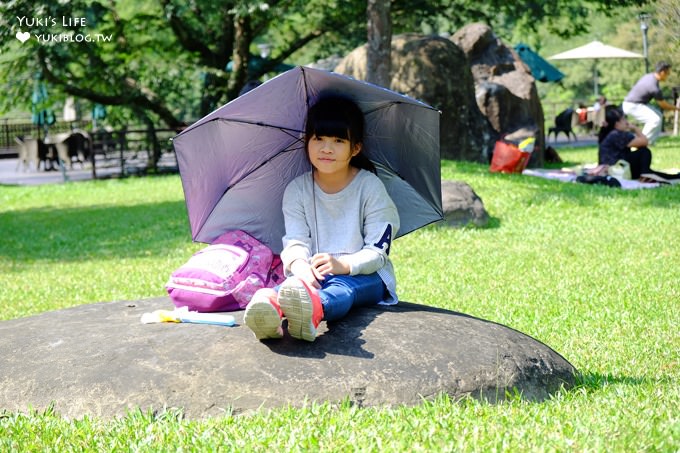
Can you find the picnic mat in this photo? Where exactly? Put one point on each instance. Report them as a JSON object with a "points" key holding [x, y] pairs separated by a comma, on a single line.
{"points": [[567, 175]]}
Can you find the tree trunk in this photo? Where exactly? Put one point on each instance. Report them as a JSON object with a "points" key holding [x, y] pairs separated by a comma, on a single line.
{"points": [[241, 55], [379, 30]]}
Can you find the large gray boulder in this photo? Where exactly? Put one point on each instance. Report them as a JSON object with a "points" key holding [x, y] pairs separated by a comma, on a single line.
{"points": [[504, 87], [99, 360], [434, 70]]}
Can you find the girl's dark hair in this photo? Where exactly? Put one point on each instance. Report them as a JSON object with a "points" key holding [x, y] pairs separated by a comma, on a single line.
{"points": [[612, 116], [336, 116]]}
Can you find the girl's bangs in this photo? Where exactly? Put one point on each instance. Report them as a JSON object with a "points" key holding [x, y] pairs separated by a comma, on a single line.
{"points": [[331, 128]]}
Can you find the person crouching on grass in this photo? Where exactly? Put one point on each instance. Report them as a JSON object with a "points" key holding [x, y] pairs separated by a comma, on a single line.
{"points": [[339, 223]]}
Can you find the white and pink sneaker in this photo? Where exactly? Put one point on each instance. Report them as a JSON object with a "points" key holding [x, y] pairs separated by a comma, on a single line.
{"points": [[263, 315], [301, 305]]}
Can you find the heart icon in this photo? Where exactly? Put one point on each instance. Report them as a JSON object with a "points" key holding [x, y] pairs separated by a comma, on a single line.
{"points": [[23, 36]]}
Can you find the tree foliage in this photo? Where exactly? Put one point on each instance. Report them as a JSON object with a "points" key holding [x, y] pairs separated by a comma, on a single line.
{"points": [[171, 61], [615, 76], [669, 20]]}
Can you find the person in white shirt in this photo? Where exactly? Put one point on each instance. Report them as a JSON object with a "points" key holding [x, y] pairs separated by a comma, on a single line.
{"points": [[340, 222]]}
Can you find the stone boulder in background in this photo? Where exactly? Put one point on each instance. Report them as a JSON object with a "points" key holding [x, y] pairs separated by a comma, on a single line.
{"points": [[434, 70], [504, 87], [462, 206]]}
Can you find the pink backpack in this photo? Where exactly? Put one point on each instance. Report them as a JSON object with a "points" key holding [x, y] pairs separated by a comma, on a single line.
{"points": [[225, 275]]}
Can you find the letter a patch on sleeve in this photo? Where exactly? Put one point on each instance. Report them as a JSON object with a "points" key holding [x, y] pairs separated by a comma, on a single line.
{"points": [[386, 240]]}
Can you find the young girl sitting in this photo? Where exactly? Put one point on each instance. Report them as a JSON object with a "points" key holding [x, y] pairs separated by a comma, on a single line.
{"points": [[339, 223], [617, 137]]}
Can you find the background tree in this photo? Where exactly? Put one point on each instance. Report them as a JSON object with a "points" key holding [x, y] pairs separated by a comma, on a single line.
{"points": [[170, 62], [160, 58], [668, 12], [379, 50]]}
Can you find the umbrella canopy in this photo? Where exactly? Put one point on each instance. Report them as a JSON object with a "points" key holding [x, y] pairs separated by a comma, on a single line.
{"points": [[540, 69], [98, 113], [236, 162], [594, 51], [41, 114]]}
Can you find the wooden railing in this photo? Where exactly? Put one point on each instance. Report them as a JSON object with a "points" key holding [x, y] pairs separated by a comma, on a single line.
{"points": [[115, 153], [132, 152]]}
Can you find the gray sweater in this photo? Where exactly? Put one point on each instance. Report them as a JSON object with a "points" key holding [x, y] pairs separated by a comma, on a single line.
{"points": [[357, 223]]}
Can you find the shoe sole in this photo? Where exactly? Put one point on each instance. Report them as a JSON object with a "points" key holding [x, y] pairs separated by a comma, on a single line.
{"points": [[263, 319], [296, 304]]}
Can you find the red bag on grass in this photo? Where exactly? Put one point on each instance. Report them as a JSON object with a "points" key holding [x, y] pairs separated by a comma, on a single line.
{"points": [[509, 157]]}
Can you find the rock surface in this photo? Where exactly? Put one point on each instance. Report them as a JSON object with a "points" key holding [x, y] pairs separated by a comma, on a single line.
{"points": [[504, 87], [434, 70], [462, 206], [99, 360]]}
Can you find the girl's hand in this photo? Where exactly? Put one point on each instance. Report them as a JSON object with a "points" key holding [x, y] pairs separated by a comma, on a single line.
{"points": [[325, 264], [306, 273]]}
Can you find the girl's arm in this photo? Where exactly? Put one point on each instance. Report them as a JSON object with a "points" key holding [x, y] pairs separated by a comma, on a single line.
{"points": [[380, 226], [297, 244], [366, 261]]}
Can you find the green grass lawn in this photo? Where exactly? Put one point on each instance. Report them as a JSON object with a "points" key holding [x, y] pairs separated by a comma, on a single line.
{"points": [[593, 272]]}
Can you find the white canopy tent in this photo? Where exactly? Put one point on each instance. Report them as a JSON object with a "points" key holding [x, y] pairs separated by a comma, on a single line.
{"points": [[595, 50]]}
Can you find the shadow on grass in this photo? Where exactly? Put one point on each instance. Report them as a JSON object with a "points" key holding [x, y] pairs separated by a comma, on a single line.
{"points": [[561, 165], [101, 232], [597, 381], [494, 222]]}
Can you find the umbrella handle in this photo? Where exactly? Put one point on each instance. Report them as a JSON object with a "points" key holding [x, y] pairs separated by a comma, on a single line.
{"points": [[315, 238]]}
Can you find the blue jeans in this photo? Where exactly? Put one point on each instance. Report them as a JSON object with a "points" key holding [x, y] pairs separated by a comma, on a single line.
{"points": [[339, 293]]}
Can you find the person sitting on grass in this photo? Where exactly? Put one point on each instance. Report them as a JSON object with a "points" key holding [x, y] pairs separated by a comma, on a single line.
{"points": [[620, 140], [339, 222]]}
